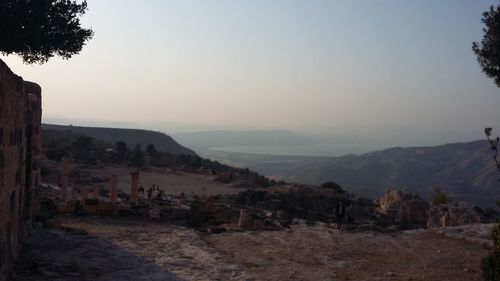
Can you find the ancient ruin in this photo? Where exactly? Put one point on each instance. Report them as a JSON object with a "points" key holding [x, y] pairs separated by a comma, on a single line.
{"points": [[20, 150], [406, 209]]}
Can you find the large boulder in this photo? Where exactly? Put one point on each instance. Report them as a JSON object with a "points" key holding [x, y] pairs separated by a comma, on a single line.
{"points": [[406, 209]]}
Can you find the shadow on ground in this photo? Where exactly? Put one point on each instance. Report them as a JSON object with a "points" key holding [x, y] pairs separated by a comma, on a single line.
{"points": [[74, 255], [105, 249]]}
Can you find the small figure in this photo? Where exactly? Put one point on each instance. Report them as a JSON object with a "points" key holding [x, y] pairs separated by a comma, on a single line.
{"points": [[159, 195], [339, 214]]}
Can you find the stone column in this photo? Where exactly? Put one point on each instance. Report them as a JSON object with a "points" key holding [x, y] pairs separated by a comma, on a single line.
{"points": [[134, 187], [244, 218], [113, 181], [64, 178]]}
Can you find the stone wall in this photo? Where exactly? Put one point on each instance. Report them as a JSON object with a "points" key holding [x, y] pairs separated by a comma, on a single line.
{"points": [[20, 150]]}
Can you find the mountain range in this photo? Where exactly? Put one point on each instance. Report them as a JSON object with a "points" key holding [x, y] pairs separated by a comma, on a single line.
{"points": [[466, 171]]}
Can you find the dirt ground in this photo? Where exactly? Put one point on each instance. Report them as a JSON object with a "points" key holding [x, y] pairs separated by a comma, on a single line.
{"points": [[321, 253], [104, 249], [170, 182], [122, 249]]}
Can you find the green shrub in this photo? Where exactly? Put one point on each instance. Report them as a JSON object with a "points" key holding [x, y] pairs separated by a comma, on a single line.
{"points": [[440, 197], [333, 185], [490, 264]]}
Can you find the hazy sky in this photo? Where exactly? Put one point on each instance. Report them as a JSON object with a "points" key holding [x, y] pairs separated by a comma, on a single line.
{"points": [[336, 66]]}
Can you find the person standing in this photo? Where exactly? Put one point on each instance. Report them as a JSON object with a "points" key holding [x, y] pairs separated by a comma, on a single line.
{"points": [[340, 214]]}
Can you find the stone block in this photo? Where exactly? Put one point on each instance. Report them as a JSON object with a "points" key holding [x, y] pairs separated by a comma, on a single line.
{"points": [[179, 213], [105, 207], [91, 209]]}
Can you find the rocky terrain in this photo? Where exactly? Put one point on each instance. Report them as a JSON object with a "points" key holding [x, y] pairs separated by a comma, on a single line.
{"points": [[105, 248]]}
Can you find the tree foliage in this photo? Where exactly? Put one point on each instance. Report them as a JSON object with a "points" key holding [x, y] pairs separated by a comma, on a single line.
{"points": [[334, 186], [151, 150], [37, 30], [488, 50], [138, 156], [440, 197], [121, 150]]}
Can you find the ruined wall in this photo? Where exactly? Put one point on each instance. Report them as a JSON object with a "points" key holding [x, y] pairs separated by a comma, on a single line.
{"points": [[20, 150]]}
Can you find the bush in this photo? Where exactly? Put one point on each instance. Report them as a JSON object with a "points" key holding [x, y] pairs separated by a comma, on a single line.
{"points": [[440, 197], [490, 264], [334, 186]]}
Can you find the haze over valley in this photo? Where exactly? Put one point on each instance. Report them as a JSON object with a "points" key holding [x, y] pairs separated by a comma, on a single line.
{"points": [[193, 140]]}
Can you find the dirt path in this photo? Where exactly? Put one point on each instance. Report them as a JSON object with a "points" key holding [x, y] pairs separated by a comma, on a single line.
{"points": [[320, 253], [106, 249]]}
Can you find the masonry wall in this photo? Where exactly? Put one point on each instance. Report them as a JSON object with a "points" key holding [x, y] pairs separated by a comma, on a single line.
{"points": [[20, 151]]}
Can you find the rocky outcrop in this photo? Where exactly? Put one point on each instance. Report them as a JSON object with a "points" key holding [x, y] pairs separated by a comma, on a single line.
{"points": [[406, 209], [20, 150], [454, 215]]}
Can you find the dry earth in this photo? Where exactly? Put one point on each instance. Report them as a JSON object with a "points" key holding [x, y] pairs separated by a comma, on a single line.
{"points": [[132, 249], [112, 249], [320, 253], [170, 182]]}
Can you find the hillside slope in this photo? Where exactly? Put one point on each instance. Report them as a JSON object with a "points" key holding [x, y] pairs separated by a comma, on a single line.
{"points": [[464, 170], [161, 141]]}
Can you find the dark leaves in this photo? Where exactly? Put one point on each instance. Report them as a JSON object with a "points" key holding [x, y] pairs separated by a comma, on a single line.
{"points": [[40, 29], [488, 50]]}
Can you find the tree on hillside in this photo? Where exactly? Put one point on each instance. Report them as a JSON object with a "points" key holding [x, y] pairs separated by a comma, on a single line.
{"points": [[334, 186], [38, 30], [488, 50], [440, 197], [121, 151], [151, 150], [138, 156], [82, 147]]}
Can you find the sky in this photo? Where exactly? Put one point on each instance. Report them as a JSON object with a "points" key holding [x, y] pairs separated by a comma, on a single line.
{"points": [[385, 69]]}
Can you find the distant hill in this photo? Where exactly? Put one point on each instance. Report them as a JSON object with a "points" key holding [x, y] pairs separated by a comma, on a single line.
{"points": [[464, 170], [161, 141]]}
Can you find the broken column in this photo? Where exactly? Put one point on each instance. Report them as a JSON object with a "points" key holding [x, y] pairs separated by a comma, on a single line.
{"points": [[134, 187], [113, 181], [244, 219], [64, 180]]}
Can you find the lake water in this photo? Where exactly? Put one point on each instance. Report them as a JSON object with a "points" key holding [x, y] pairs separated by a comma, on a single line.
{"points": [[303, 150]]}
